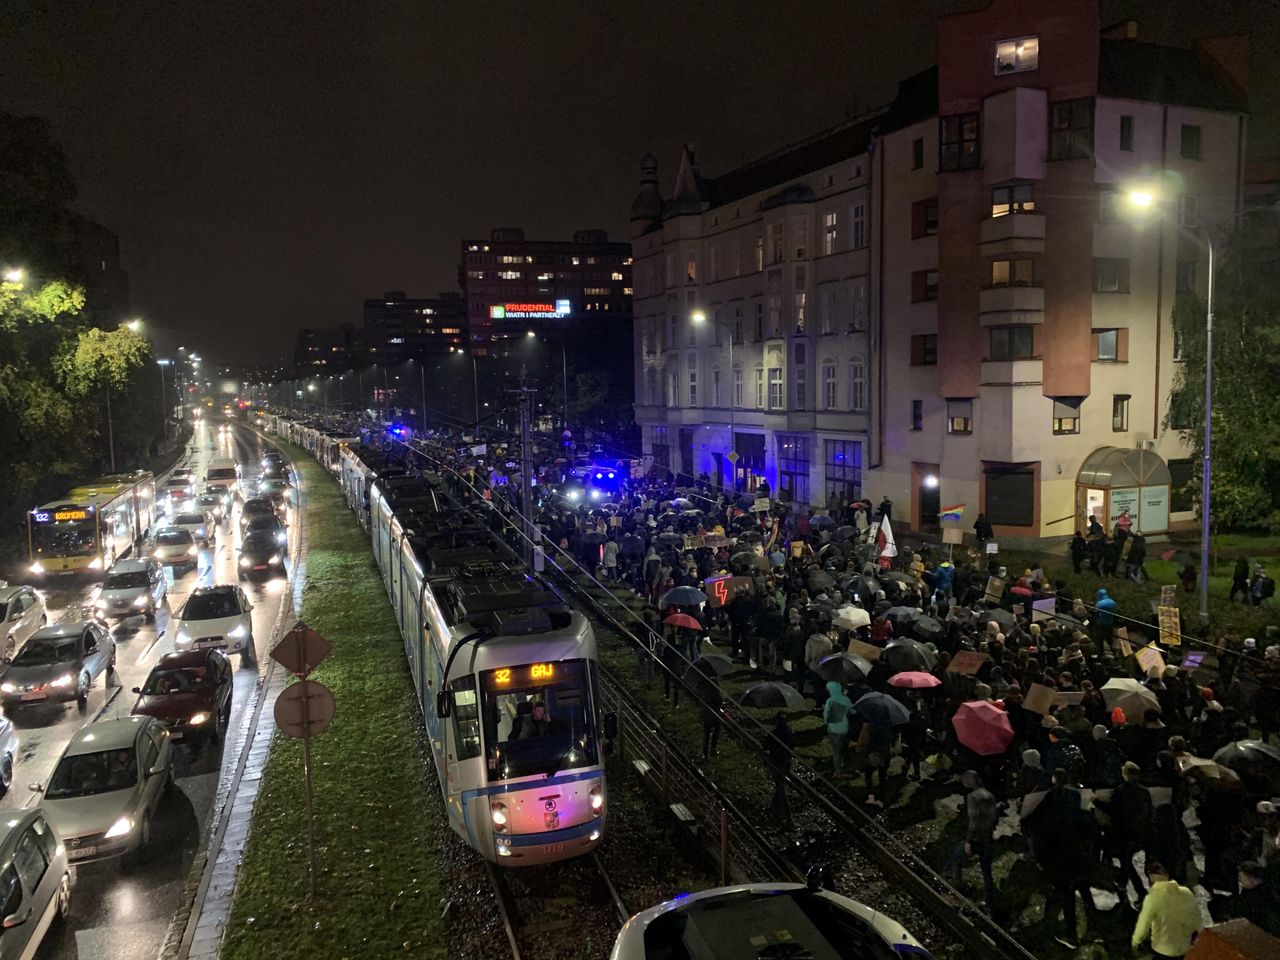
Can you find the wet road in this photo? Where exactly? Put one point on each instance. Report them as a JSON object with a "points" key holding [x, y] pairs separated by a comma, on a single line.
{"points": [[118, 914]]}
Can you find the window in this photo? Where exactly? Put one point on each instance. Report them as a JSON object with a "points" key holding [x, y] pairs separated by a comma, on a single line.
{"points": [[1013, 273], [917, 414], [1109, 206], [737, 387], [1066, 414], [1120, 412], [737, 323], [1189, 142], [509, 274], [661, 453], [924, 285], [1186, 277], [858, 315], [1071, 129], [596, 291], [1111, 345], [917, 153], [857, 386], [1188, 210], [691, 268], [775, 316], [715, 387], [673, 390], [960, 416], [924, 217], [800, 237], [829, 388], [1018, 55], [615, 275], [1110, 275], [691, 334], [1015, 198], [1126, 132], [10, 892], [759, 388], [775, 242], [475, 274], [793, 467], [802, 386], [827, 308], [759, 253], [737, 261], [775, 388], [671, 331], [798, 305], [693, 387], [858, 226], [1177, 344], [759, 321], [1009, 495], [843, 470], [29, 859], [1010, 343], [958, 142], [1181, 474], [924, 350], [829, 231]]}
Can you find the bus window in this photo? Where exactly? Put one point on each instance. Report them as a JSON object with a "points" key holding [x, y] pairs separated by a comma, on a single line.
{"points": [[74, 539], [466, 718]]}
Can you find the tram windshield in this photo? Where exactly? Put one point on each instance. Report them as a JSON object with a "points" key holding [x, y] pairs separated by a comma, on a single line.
{"points": [[73, 539], [537, 719]]}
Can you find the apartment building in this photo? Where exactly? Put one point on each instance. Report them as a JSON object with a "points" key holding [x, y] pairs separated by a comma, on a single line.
{"points": [[955, 299]]}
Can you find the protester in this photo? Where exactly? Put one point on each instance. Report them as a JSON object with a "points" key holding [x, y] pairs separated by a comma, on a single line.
{"points": [[1170, 916]]}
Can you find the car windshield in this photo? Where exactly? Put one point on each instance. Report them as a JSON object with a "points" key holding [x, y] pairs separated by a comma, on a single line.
{"points": [[263, 521], [173, 538], [44, 651], [67, 539], [537, 719], [189, 519], [260, 544], [89, 773], [4, 611], [257, 506], [209, 606], [125, 581], [183, 680]]}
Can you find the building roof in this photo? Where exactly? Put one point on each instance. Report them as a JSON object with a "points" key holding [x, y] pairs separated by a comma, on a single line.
{"points": [[1131, 70]]}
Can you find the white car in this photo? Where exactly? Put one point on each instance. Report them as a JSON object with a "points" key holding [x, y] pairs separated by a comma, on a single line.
{"points": [[8, 753], [35, 884], [212, 505], [196, 524], [175, 548], [22, 613], [220, 617], [107, 786], [132, 588]]}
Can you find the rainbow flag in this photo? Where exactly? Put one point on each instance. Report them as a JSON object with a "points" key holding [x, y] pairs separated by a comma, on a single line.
{"points": [[952, 513]]}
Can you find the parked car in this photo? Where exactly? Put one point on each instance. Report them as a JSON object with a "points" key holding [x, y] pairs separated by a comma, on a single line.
{"points": [[261, 553], [190, 693], [22, 613], [219, 617], [132, 588], [175, 548], [59, 663], [35, 884], [107, 786], [8, 754]]}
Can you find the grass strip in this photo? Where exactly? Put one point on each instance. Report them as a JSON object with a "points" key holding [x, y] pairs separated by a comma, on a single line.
{"points": [[379, 819]]}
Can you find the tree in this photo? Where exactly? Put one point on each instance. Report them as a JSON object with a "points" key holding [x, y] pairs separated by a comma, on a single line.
{"points": [[1246, 401], [107, 364]]}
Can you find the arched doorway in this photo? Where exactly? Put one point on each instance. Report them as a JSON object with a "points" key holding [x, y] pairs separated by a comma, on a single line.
{"points": [[1115, 480]]}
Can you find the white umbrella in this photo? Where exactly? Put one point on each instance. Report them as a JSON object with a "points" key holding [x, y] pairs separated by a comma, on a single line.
{"points": [[1129, 695], [851, 618]]}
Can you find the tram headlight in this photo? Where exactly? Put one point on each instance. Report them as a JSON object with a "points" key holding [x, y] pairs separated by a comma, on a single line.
{"points": [[597, 800], [498, 814]]}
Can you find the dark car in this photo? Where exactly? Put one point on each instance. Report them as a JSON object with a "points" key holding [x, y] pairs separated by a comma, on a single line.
{"points": [[190, 693], [275, 490], [255, 507], [261, 553], [267, 523], [274, 470]]}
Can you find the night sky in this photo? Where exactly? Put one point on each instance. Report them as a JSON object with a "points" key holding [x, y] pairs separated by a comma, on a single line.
{"points": [[269, 165]]}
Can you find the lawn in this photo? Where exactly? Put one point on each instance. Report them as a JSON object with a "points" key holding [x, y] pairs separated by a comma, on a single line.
{"points": [[379, 820]]}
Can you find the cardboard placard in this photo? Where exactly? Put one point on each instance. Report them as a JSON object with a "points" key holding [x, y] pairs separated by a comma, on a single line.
{"points": [[967, 662], [1043, 609], [995, 590], [1169, 595], [952, 535], [615, 522], [1193, 660], [863, 649], [992, 547], [797, 549], [1150, 657], [1170, 626], [1039, 699], [1122, 641], [1065, 698]]}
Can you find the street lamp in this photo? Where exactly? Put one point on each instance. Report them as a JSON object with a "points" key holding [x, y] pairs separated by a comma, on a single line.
{"points": [[15, 275], [475, 379], [164, 414], [699, 317], [564, 372], [134, 325]]}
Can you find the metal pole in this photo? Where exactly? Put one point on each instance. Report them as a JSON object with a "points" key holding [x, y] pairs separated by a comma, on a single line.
{"points": [[733, 403], [306, 768], [724, 847], [564, 367], [526, 473], [1206, 467], [111, 437], [422, 375], [164, 418], [475, 387]]}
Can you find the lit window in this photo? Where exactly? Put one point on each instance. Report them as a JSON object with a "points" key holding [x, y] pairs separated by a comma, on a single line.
{"points": [[1120, 412], [1016, 273], [626, 291], [1015, 198], [960, 416], [1018, 55], [615, 276], [775, 388], [1066, 414], [509, 274], [829, 229]]}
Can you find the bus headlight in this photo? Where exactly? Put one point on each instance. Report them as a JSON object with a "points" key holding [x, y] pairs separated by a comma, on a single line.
{"points": [[597, 800], [95, 563], [498, 814], [37, 568]]}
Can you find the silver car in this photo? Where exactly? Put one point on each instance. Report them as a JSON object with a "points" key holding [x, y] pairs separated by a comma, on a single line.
{"points": [[22, 613], [176, 548], [132, 588], [107, 786], [35, 884], [59, 663]]}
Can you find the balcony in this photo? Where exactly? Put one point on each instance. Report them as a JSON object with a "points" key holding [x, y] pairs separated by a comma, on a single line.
{"points": [[1003, 305], [1012, 373], [1013, 233]]}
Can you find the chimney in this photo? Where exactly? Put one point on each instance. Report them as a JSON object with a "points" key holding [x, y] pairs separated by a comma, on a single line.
{"points": [[1123, 30], [1228, 57]]}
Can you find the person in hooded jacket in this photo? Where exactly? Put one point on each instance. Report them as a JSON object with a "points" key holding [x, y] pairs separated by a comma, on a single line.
{"points": [[835, 714], [1105, 621], [1130, 811]]}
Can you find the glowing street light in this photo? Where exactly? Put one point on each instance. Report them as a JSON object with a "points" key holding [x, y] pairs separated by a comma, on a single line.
{"points": [[134, 325], [14, 275], [699, 317]]}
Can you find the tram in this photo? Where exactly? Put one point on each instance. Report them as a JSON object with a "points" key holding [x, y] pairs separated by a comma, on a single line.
{"points": [[92, 526], [506, 674]]}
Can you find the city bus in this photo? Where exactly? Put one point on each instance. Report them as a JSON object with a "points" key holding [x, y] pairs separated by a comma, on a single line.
{"points": [[93, 525]]}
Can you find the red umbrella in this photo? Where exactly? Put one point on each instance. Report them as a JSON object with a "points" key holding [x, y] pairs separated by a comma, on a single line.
{"points": [[914, 680], [983, 728], [682, 620]]}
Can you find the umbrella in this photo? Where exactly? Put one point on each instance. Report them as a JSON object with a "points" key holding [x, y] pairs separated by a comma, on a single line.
{"points": [[682, 620], [1180, 557], [691, 512], [844, 667], [845, 532], [1256, 763], [1129, 695], [882, 709], [820, 610], [713, 664], [851, 618], [771, 694], [682, 597], [593, 538], [1004, 618], [902, 615], [905, 654], [897, 577], [865, 589], [670, 538], [821, 580], [682, 503], [822, 520], [749, 558], [927, 628], [1204, 769], [914, 680], [982, 727]]}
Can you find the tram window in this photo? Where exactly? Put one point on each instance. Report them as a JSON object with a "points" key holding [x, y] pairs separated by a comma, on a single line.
{"points": [[539, 724], [466, 718]]}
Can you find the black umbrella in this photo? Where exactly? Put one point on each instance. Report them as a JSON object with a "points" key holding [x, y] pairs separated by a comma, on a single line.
{"points": [[822, 520], [1256, 763], [902, 616], [670, 538], [772, 694], [749, 559], [865, 589], [906, 654], [927, 628], [821, 580], [682, 597], [1004, 618], [711, 665], [751, 536], [594, 538], [843, 667], [845, 532]]}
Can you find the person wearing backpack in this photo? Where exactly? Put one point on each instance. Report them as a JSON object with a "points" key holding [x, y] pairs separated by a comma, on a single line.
{"points": [[835, 714]]}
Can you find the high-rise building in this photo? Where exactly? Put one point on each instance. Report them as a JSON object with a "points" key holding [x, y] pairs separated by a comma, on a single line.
{"points": [[396, 328], [962, 298]]}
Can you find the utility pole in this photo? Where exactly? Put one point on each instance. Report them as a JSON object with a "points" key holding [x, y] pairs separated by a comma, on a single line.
{"points": [[532, 554], [111, 438]]}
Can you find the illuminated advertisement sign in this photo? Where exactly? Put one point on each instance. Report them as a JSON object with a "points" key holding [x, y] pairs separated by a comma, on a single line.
{"points": [[529, 311], [58, 516]]}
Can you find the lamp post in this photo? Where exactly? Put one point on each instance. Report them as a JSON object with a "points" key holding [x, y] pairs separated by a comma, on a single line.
{"points": [[564, 376], [475, 379], [164, 415], [699, 317]]}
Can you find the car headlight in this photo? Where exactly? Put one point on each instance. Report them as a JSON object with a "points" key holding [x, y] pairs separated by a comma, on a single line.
{"points": [[573, 495], [194, 551], [235, 633], [100, 605], [63, 681], [181, 638], [121, 828], [95, 563], [7, 687], [37, 568], [498, 814], [141, 601], [244, 561], [595, 494], [275, 558], [198, 718]]}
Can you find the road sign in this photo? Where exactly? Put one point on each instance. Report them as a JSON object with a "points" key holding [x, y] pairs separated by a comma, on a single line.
{"points": [[301, 650], [733, 456], [304, 709]]}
